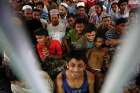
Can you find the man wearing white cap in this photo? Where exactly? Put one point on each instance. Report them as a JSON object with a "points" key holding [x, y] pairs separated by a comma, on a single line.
{"points": [[27, 12], [63, 11], [56, 31], [81, 11]]}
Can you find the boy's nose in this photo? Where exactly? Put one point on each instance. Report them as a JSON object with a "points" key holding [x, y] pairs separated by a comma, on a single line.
{"points": [[76, 69]]}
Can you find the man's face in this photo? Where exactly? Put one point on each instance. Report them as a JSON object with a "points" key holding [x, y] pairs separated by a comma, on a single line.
{"points": [[123, 6], [79, 27], [55, 20], [107, 21], [91, 36], [114, 7], [62, 10], [121, 27], [28, 13], [76, 67]]}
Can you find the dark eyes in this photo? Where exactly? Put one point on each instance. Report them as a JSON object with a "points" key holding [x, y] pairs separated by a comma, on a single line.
{"points": [[74, 65]]}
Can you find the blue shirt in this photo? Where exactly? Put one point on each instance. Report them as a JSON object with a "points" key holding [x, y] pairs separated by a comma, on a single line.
{"points": [[67, 89]]}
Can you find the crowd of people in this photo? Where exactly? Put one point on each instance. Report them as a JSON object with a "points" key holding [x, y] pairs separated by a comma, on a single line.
{"points": [[75, 40]]}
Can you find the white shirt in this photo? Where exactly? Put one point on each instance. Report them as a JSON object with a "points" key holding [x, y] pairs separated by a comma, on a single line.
{"points": [[56, 32]]}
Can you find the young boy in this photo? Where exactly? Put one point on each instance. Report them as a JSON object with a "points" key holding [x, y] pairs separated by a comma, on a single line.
{"points": [[42, 46], [97, 59], [97, 55], [75, 79]]}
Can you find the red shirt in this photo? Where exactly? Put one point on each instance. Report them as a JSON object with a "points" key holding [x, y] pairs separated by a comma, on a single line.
{"points": [[40, 50]]}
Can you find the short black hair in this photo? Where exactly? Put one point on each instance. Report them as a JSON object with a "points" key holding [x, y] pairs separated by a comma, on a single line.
{"points": [[100, 4], [78, 55], [36, 10], [121, 20], [80, 21], [122, 1], [41, 31], [115, 3], [71, 15], [107, 16], [98, 36], [40, 3], [91, 27]]}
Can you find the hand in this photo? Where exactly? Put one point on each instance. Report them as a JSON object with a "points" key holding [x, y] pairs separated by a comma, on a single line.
{"points": [[45, 52]]}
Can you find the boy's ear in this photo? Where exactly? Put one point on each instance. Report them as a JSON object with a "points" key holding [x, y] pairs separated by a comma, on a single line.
{"points": [[67, 65]]}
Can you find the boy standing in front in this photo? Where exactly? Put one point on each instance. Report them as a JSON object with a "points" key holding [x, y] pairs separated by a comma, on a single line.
{"points": [[75, 79]]}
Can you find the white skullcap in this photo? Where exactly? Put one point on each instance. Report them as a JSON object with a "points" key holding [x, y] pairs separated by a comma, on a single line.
{"points": [[64, 4], [54, 12], [26, 7], [80, 4]]}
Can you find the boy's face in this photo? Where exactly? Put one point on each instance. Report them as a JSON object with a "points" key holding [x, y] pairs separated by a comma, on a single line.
{"points": [[39, 7], [91, 36], [99, 42], [79, 27], [55, 20], [107, 42], [41, 39], [76, 67], [36, 15]]}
